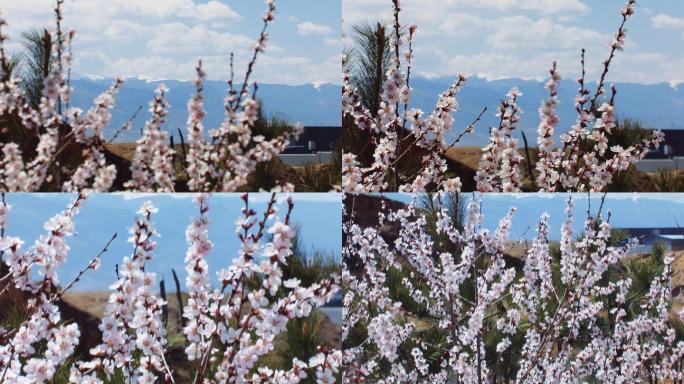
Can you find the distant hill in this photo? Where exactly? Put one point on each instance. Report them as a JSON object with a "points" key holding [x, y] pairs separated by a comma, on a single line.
{"points": [[657, 106], [308, 104]]}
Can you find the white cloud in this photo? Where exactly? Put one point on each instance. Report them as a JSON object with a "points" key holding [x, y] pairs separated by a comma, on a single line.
{"points": [[649, 67], [423, 11], [211, 10], [309, 28], [465, 24], [495, 65], [520, 32], [151, 68], [543, 6], [176, 38], [521, 38], [295, 60], [163, 39], [300, 70], [329, 41], [135, 9], [215, 10], [666, 21], [122, 31], [496, 47]]}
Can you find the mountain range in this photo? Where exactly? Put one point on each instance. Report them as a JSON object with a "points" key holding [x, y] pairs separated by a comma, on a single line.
{"points": [[311, 105], [655, 105]]}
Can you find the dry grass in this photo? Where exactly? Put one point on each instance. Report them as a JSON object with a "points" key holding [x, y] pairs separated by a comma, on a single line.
{"points": [[92, 302], [518, 248], [127, 150], [668, 180], [468, 156], [123, 150]]}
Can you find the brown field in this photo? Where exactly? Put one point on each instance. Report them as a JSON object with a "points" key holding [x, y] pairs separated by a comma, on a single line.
{"points": [[468, 156], [126, 150]]}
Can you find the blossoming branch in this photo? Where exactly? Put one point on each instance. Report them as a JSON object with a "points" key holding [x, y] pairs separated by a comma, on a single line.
{"points": [[229, 328], [21, 358], [584, 162], [427, 302], [37, 161]]}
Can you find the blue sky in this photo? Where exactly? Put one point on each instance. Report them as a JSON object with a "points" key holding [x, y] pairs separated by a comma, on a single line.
{"points": [[319, 216], [156, 39], [642, 210], [520, 38]]}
